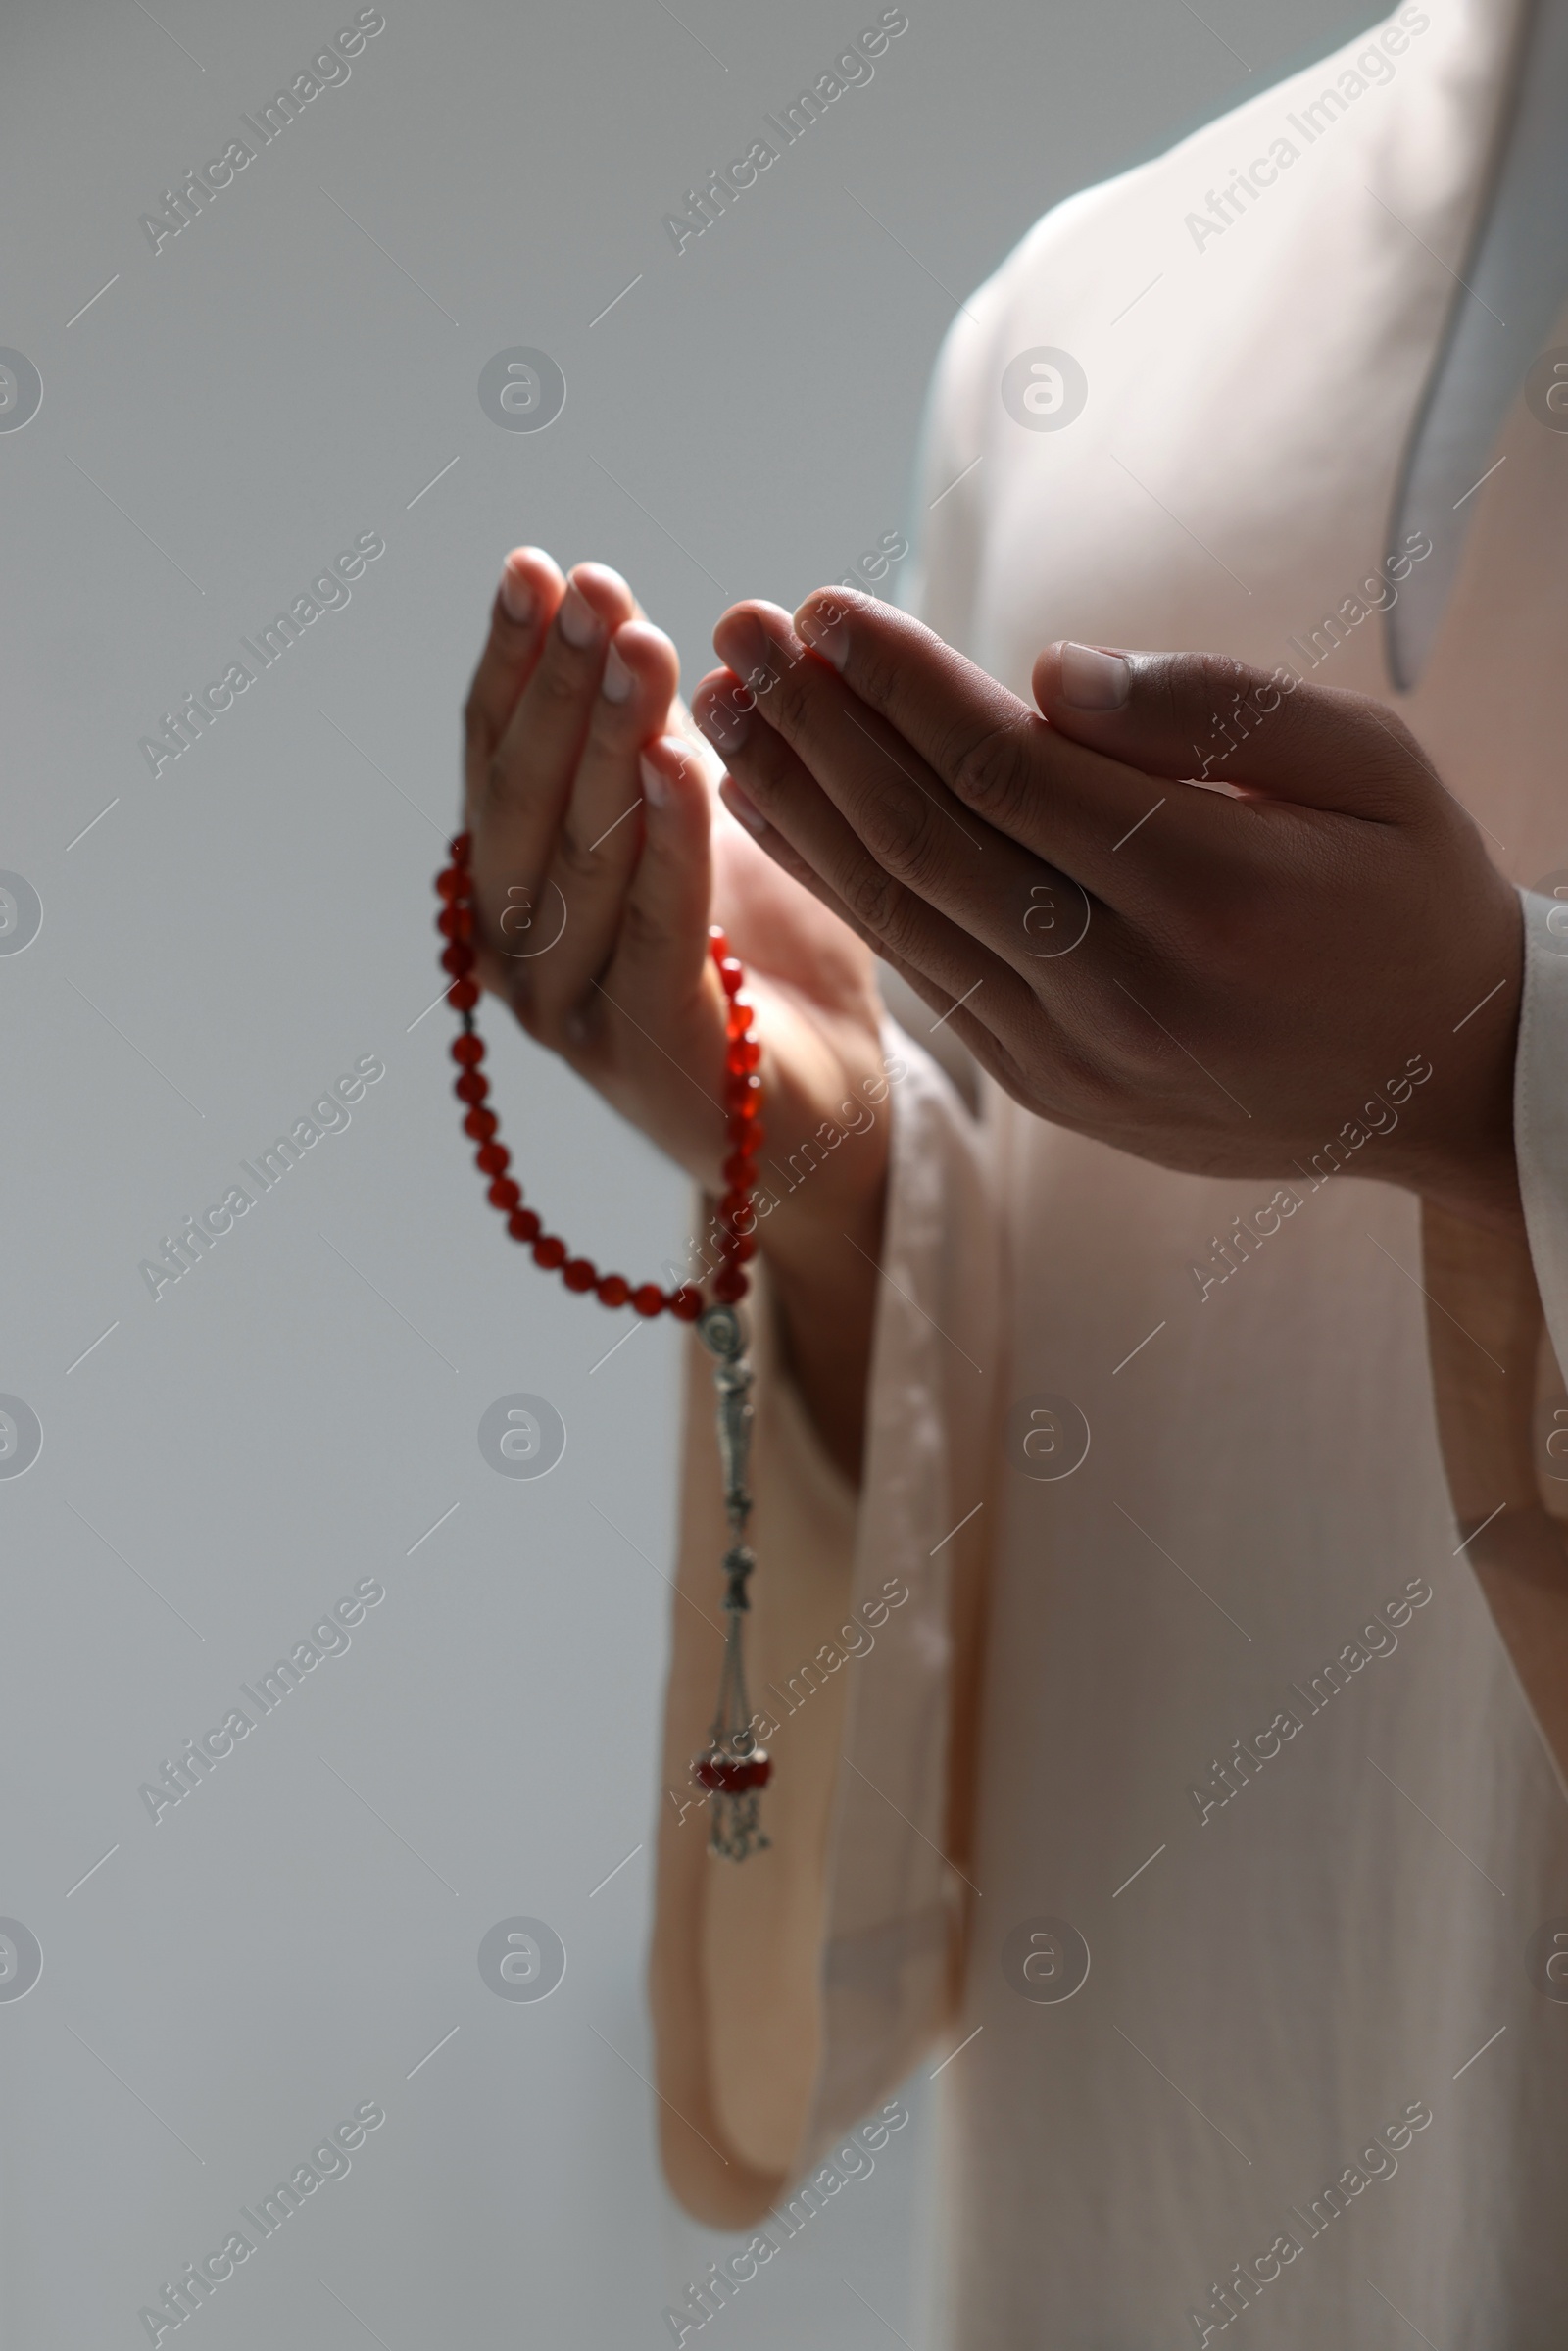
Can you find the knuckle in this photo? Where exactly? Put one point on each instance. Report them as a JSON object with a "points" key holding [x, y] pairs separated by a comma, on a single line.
{"points": [[646, 930], [1193, 690], [791, 695], [872, 897], [904, 931], [557, 687], [994, 774], [575, 858], [878, 672], [897, 830], [1133, 1047]]}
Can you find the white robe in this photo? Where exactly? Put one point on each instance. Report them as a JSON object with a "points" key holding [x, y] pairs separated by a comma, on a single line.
{"points": [[1292, 1448]]}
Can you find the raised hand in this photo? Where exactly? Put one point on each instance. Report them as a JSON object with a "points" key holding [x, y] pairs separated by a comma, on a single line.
{"points": [[1218, 980], [600, 857]]}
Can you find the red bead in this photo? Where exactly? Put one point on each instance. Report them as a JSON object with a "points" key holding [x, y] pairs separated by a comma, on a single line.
{"points": [[717, 943], [453, 883], [461, 848], [737, 1214], [732, 1775]]}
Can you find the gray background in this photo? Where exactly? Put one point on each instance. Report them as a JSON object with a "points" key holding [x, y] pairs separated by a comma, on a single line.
{"points": [[294, 1938]]}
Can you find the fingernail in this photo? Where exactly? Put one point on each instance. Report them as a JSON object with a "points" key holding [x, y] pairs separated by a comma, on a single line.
{"points": [[517, 596], [577, 619], [1092, 681], [741, 805], [826, 632], [724, 726], [617, 681], [656, 783]]}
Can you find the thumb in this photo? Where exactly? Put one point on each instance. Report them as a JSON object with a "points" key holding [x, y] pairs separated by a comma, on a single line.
{"points": [[1204, 717]]}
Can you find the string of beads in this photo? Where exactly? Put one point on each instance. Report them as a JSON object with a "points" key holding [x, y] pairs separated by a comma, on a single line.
{"points": [[743, 1103]]}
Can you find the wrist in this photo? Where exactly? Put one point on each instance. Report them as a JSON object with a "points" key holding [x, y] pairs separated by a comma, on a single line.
{"points": [[824, 1275], [806, 1234]]}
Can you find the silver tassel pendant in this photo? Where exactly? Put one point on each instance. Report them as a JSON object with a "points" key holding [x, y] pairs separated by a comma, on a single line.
{"points": [[732, 1769]]}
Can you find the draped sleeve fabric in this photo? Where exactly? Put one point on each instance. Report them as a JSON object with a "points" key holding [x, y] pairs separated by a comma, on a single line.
{"points": [[794, 1990]]}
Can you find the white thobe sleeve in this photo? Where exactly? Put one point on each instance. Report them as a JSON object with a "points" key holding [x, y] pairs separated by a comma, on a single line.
{"points": [[794, 1990]]}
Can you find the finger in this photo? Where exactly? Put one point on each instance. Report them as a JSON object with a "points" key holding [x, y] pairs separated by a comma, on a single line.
{"points": [[526, 780], [660, 966], [524, 606], [996, 756], [1204, 715], [597, 844], [892, 915], [960, 1016], [909, 846]]}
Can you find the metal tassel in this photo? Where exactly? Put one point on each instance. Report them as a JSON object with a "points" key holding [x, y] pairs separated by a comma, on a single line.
{"points": [[734, 1768]]}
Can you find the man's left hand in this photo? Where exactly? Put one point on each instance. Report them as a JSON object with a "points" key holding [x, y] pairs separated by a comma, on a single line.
{"points": [[1221, 980]]}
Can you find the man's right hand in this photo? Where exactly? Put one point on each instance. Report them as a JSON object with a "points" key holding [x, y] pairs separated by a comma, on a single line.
{"points": [[601, 854]]}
